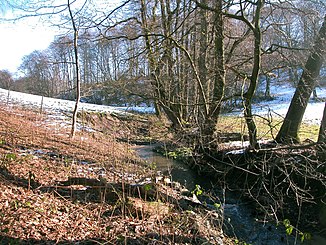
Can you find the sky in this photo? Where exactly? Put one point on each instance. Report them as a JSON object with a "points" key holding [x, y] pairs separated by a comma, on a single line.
{"points": [[29, 34], [20, 39]]}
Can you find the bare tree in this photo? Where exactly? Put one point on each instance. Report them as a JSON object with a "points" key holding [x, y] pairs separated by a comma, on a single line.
{"points": [[214, 97], [36, 68], [255, 27], [76, 54], [6, 79], [291, 124], [179, 49]]}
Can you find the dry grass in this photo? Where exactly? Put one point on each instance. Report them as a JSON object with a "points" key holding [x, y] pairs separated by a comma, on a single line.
{"points": [[36, 155], [267, 127]]}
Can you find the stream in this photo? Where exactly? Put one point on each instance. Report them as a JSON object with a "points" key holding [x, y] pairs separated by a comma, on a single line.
{"points": [[238, 215]]}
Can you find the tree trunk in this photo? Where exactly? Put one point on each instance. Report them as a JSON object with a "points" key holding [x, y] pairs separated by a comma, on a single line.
{"points": [[208, 128], [161, 70], [219, 76], [252, 128], [291, 124], [314, 94], [268, 87], [74, 117], [158, 111], [322, 130], [202, 58]]}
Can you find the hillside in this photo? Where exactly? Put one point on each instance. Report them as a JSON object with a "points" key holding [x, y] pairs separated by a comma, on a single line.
{"points": [[90, 189]]}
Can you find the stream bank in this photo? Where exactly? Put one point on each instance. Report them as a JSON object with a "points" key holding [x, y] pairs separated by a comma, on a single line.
{"points": [[242, 219], [239, 218]]}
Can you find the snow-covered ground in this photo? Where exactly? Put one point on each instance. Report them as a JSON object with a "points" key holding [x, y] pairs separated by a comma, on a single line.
{"points": [[56, 109], [282, 94], [278, 107], [56, 105]]}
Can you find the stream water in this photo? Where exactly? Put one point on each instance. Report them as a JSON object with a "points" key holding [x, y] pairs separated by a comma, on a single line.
{"points": [[238, 215]]}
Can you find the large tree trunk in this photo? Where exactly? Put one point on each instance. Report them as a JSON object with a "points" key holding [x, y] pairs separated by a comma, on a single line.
{"points": [[209, 126], [322, 130], [291, 124], [202, 60], [219, 76]]}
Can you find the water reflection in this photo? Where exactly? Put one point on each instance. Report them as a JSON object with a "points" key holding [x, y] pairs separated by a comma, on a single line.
{"points": [[177, 171]]}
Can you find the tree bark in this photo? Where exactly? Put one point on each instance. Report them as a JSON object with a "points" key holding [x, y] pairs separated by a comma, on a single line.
{"points": [[322, 129], [202, 58], [208, 127], [291, 124], [219, 75]]}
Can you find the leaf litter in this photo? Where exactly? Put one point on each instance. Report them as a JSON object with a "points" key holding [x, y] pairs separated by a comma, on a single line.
{"points": [[36, 155]]}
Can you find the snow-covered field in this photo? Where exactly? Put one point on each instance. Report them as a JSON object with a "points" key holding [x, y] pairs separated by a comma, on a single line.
{"points": [[51, 104], [278, 107], [56, 109], [283, 95]]}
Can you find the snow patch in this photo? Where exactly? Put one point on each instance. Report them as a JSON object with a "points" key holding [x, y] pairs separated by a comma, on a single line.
{"points": [[278, 107]]}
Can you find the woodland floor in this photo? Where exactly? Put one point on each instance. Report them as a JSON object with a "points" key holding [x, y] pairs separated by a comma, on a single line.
{"points": [[58, 190]]}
